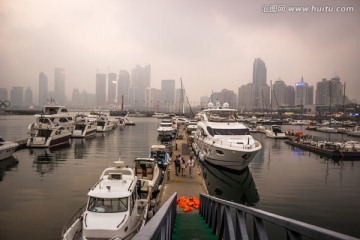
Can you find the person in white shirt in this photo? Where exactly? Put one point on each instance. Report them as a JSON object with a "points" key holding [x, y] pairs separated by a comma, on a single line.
{"points": [[191, 165]]}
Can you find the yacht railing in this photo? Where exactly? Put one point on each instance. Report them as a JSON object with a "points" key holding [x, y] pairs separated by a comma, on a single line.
{"points": [[73, 219], [241, 145], [228, 221], [161, 224]]}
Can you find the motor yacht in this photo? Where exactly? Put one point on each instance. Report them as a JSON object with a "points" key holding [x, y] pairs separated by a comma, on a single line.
{"points": [[45, 133], [222, 140], [114, 209], [84, 126], [275, 132], [166, 128], [160, 153], [355, 132], [192, 126], [103, 122], [7, 148]]}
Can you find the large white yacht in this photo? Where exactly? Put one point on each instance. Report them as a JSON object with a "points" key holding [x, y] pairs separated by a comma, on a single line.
{"points": [[114, 209], [222, 140], [166, 128], [59, 115], [103, 121], [46, 133], [84, 126]]}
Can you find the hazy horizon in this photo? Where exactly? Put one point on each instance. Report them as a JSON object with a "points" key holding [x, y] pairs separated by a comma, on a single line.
{"points": [[210, 44]]}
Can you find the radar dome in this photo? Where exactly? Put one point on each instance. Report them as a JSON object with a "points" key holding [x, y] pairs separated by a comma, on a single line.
{"points": [[210, 105], [226, 105]]}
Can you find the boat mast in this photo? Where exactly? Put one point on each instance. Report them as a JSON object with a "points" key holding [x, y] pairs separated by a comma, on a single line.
{"points": [[182, 97]]}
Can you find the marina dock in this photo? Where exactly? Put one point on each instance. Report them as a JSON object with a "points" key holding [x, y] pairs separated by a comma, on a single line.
{"points": [[184, 186]]}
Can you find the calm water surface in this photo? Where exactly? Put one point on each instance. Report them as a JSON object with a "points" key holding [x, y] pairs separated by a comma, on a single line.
{"points": [[40, 190]]}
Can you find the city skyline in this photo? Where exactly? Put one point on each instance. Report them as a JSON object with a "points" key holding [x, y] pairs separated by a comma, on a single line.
{"points": [[210, 45]]}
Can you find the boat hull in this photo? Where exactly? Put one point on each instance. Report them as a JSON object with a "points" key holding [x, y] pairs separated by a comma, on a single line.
{"points": [[8, 151]]}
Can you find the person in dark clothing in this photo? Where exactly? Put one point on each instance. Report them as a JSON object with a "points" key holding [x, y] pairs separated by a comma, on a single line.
{"points": [[177, 165]]}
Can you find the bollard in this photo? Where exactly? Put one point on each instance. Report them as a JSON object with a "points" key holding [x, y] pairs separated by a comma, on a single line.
{"points": [[176, 146], [168, 175]]}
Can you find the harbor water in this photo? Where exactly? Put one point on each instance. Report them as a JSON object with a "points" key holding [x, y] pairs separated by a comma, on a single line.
{"points": [[41, 189]]}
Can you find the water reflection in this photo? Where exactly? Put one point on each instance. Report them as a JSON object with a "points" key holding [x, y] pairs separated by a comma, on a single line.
{"points": [[46, 160], [79, 147], [7, 165], [237, 186]]}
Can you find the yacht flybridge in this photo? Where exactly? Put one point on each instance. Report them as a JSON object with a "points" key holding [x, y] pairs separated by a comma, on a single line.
{"points": [[222, 140]]}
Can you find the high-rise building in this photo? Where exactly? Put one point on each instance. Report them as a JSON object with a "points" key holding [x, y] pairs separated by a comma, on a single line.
{"points": [[112, 84], [28, 97], [278, 95], [59, 85], [329, 91], [140, 81], [290, 96], [17, 96], [75, 98], [43, 89], [168, 95], [204, 100], [152, 99], [228, 96], [123, 86], [100, 89], [246, 96], [303, 94], [259, 81]]}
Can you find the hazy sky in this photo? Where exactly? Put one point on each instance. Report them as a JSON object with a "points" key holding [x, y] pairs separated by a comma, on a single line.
{"points": [[210, 44]]}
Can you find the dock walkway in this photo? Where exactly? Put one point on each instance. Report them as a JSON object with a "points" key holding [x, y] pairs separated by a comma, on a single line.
{"points": [[184, 186]]}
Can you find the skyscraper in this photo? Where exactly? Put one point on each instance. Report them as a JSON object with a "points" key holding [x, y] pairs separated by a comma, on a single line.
{"points": [[140, 80], [17, 96], [329, 88], [278, 95], [259, 81], [28, 97], [4, 94], [168, 94], [100, 89], [303, 93], [59, 85], [43, 89], [112, 84], [123, 86]]}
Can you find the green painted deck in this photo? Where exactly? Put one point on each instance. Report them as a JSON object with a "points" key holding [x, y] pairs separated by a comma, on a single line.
{"points": [[191, 226]]}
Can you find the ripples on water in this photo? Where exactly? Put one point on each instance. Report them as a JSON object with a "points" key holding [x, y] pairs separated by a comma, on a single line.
{"points": [[41, 189]]}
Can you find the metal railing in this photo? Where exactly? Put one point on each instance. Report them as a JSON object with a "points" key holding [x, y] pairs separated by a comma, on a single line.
{"points": [[228, 221], [161, 224]]}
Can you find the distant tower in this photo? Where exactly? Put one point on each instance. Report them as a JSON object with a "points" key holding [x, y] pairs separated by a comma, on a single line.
{"points": [[59, 85], [17, 96], [112, 84], [123, 86], [168, 95], [140, 81], [43, 89], [259, 81], [100, 89], [28, 97]]}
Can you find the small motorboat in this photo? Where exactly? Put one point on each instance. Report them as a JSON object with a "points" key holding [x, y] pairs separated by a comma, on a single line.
{"points": [[114, 210], [84, 127], [275, 132]]}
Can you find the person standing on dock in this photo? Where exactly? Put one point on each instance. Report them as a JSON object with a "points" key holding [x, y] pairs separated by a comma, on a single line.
{"points": [[183, 165], [191, 164], [177, 165]]}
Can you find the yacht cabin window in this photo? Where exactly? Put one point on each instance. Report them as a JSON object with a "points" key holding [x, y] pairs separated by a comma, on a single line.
{"points": [[214, 131], [108, 205]]}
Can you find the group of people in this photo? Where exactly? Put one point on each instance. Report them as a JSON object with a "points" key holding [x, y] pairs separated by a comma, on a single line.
{"points": [[180, 166]]}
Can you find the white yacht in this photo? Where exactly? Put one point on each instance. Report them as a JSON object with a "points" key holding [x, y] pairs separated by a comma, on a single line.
{"points": [[59, 115], [166, 128], [84, 126], [114, 209], [192, 126], [222, 140], [45, 133], [7, 148], [275, 132], [103, 122]]}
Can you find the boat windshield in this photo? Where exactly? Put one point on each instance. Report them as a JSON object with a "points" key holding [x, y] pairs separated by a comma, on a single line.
{"points": [[219, 131], [108, 205]]}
